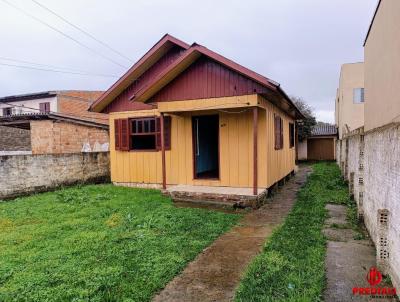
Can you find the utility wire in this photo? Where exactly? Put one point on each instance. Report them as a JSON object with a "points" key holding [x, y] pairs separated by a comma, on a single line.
{"points": [[54, 67], [81, 30], [57, 71], [62, 33]]}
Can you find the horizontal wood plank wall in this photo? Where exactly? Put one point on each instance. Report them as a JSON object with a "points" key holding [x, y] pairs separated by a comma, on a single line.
{"points": [[236, 151], [279, 162]]}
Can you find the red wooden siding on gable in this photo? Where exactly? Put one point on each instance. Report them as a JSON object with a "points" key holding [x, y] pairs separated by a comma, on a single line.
{"points": [[122, 102], [207, 79]]}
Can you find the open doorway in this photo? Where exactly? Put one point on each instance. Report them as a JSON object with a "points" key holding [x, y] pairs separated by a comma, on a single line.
{"points": [[206, 146]]}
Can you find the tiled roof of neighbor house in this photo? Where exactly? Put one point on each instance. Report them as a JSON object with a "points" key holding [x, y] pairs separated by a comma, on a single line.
{"points": [[323, 130]]}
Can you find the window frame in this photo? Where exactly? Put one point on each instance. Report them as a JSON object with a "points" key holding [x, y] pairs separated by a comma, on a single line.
{"points": [[9, 109], [142, 120], [44, 107], [361, 95]]}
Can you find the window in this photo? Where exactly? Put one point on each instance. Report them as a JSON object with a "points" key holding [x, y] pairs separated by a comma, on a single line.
{"points": [[358, 95], [44, 107], [142, 134], [7, 111], [278, 133], [291, 135]]}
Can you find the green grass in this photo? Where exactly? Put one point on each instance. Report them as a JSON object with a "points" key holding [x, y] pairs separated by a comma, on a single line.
{"points": [[291, 266], [99, 243]]}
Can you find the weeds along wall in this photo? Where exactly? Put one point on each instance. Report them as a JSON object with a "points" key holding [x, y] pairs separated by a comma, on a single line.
{"points": [[27, 174], [373, 173]]}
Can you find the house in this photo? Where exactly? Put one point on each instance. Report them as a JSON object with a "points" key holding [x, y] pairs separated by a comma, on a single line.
{"points": [[51, 122], [369, 156], [320, 145], [349, 105], [188, 118]]}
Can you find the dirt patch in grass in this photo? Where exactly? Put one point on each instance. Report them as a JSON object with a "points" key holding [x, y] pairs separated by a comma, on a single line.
{"points": [[99, 243]]}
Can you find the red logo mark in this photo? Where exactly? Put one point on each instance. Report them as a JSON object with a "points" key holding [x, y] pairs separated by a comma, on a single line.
{"points": [[374, 277]]}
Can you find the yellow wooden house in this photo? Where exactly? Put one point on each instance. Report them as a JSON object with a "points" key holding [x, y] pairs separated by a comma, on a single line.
{"points": [[186, 117]]}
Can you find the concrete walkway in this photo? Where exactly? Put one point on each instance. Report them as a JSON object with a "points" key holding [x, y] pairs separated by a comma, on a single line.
{"points": [[347, 260], [216, 272]]}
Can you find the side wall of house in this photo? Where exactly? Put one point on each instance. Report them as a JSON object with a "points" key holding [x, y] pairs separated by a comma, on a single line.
{"points": [[48, 136], [76, 104], [382, 67], [236, 151]]}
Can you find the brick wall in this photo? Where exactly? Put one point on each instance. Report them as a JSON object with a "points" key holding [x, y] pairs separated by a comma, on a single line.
{"points": [[374, 157], [14, 139], [49, 136], [77, 103], [26, 174]]}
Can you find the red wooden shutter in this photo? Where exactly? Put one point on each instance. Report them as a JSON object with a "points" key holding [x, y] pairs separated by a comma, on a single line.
{"points": [[281, 129], [276, 131], [117, 134], [124, 133], [167, 132]]}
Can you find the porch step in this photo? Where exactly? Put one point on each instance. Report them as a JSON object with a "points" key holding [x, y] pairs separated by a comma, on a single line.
{"points": [[222, 197]]}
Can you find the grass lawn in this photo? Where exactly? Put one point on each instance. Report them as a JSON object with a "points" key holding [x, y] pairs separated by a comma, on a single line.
{"points": [[99, 243], [291, 266]]}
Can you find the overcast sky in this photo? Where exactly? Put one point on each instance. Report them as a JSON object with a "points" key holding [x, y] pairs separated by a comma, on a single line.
{"points": [[298, 43]]}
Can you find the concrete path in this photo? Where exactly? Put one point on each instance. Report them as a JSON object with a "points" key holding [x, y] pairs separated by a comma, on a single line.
{"points": [[347, 260], [216, 272]]}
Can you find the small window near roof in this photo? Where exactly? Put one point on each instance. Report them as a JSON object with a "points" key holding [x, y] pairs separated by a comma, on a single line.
{"points": [[358, 95]]}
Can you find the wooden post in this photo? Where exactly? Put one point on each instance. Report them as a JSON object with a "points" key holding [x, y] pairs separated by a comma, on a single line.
{"points": [[164, 177], [255, 146]]}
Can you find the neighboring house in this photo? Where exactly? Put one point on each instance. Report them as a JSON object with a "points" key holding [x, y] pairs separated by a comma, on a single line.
{"points": [[349, 109], [320, 145], [223, 124], [52, 122], [370, 156]]}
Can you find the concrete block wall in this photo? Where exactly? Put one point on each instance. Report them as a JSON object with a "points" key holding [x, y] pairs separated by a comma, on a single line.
{"points": [[26, 174], [382, 192], [14, 139], [374, 156]]}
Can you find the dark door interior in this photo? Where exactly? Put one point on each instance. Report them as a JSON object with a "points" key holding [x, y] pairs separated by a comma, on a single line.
{"points": [[205, 143]]}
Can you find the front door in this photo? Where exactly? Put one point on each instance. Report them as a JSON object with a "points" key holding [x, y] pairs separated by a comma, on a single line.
{"points": [[206, 146]]}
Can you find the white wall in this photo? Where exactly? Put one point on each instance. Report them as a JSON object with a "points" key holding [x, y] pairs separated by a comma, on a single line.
{"points": [[302, 150], [26, 105]]}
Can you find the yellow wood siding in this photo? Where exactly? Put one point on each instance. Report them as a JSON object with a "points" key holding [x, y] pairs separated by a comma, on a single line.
{"points": [[236, 150]]}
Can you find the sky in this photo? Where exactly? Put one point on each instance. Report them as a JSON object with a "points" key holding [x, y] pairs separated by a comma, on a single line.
{"points": [[300, 44]]}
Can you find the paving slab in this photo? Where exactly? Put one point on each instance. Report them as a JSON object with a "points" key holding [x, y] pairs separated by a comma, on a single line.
{"points": [[347, 260], [217, 270]]}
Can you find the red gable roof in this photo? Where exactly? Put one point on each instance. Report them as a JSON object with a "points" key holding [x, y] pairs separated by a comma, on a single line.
{"points": [[186, 58]]}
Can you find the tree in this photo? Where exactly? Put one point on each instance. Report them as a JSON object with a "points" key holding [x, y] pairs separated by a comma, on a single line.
{"points": [[304, 127]]}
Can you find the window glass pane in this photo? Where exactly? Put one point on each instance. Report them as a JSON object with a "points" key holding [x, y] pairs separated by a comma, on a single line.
{"points": [[358, 95], [143, 142]]}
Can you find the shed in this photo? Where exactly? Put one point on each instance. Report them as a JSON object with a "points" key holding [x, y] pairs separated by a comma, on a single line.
{"points": [[320, 145]]}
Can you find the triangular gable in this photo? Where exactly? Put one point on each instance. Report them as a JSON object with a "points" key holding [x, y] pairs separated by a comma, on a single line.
{"points": [[128, 94], [168, 48]]}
